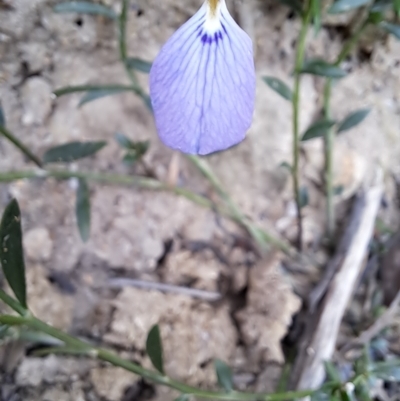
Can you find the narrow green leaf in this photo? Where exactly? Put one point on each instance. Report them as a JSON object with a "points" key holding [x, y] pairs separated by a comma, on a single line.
{"points": [[154, 348], [353, 119], [396, 7], [375, 17], [331, 372], [66, 90], [317, 129], [4, 331], [279, 87], [138, 147], [97, 94], [380, 6], [322, 68], [11, 251], [338, 190], [295, 5], [316, 15], [362, 391], [2, 118], [147, 101], [342, 6], [183, 397], [72, 151], [347, 395], [287, 166], [123, 141], [303, 197], [130, 158], [82, 209], [388, 370], [139, 64], [224, 375], [85, 7], [393, 29]]}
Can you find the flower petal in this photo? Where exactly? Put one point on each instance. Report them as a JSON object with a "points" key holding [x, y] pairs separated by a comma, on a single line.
{"points": [[202, 83]]}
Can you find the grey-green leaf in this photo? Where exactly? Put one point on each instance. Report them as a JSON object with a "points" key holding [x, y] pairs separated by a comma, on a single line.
{"points": [[353, 119], [72, 151], [2, 118], [279, 87], [316, 15], [224, 375], [66, 90], [139, 64], [83, 209], [147, 101], [388, 370], [183, 397], [338, 190], [295, 5], [303, 197], [381, 5], [154, 348], [322, 68], [97, 94], [342, 6], [331, 372], [11, 251], [287, 166], [317, 129], [85, 7], [393, 29], [123, 141]]}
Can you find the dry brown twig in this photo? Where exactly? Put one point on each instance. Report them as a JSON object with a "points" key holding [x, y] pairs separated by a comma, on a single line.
{"points": [[380, 324], [319, 340]]}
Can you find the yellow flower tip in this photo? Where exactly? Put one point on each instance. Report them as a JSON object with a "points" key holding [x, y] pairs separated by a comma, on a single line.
{"points": [[213, 7]]}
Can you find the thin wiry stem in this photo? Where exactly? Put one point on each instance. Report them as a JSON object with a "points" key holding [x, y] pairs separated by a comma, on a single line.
{"points": [[300, 50], [8, 135], [259, 235], [75, 346], [330, 135]]}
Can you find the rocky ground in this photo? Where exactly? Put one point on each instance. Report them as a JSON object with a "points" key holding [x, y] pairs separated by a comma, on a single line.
{"points": [[158, 236]]}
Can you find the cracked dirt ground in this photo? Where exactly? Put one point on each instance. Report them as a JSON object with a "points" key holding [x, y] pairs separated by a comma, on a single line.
{"points": [[158, 236]]}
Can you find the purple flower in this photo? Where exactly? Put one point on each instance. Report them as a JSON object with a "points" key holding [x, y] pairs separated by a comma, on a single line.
{"points": [[202, 83]]}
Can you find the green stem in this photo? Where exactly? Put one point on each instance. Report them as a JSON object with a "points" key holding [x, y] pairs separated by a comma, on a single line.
{"points": [[85, 349], [232, 212], [261, 237], [12, 303], [301, 44], [8, 135], [330, 135], [123, 19], [104, 178]]}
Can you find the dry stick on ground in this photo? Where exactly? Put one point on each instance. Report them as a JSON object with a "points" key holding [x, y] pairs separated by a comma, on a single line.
{"points": [[318, 343], [381, 323]]}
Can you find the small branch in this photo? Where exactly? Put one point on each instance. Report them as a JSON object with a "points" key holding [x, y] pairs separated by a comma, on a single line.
{"points": [[8, 135], [296, 117], [380, 324], [168, 288], [318, 343]]}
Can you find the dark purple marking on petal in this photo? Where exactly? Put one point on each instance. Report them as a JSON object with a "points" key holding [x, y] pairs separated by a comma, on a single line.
{"points": [[223, 27], [210, 38]]}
